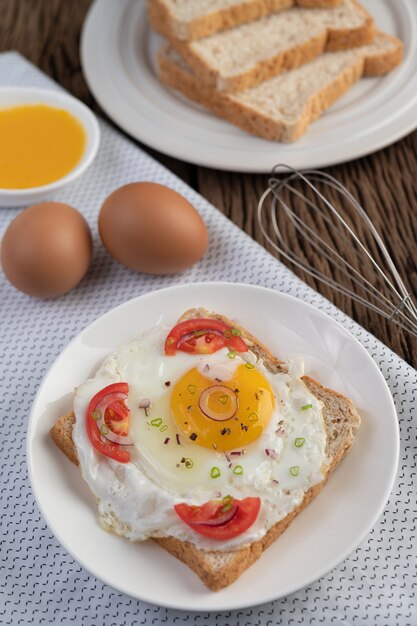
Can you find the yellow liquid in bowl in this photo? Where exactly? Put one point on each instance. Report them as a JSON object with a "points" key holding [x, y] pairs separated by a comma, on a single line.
{"points": [[39, 144]]}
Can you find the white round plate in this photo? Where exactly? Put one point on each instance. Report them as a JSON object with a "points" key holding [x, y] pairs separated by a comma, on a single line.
{"points": [[118, 52], [319, 538]]}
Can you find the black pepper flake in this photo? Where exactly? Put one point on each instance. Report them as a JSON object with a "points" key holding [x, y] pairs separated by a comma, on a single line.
{"points": [[166, 441], [167, 383], [177, 437], [236, 390], [147, 411], [215, 446], [225, 431], [177, 465], [189, 407], [257, 396], [244, 427], [193, 436], [183, 460], [219, 380]]}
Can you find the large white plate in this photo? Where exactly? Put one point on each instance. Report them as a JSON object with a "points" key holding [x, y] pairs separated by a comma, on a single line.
{"points": [[118, 58], [324, 534]]}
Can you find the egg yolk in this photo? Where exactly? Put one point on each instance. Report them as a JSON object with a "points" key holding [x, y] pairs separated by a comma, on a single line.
{"points": [[223, 415], [39, 144]]}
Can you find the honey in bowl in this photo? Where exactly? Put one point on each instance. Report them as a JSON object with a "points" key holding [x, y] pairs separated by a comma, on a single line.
{"points": [[39, 145]]}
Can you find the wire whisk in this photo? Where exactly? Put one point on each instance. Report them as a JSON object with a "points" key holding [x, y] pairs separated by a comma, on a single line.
{"points": [[296, 192]]}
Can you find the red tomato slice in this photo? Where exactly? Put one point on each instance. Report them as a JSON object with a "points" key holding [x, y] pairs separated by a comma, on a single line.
{"points": [[203, 336], [208, 519], [116, 417]]}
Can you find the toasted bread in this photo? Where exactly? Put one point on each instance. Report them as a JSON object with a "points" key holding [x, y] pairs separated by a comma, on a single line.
{"points": [[218, 569], [282, 108], [247, 55], [198, 19]]}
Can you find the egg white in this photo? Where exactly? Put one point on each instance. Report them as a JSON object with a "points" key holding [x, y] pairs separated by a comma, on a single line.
{"points": [[136, 499]]}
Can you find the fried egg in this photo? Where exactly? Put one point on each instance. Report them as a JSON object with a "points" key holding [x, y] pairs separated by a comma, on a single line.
{"points": [[202, 427]]}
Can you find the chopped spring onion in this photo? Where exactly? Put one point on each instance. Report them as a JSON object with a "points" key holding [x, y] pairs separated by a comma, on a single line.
{"points": [[295, 470], [238, 470], [250, 366], [223, 399], [227, 503], [157, 422], [253, 417], [236, 332], [306, 407], [192, 389], [189, 463], [104, 430], [299, 442], [215, 472], [97, 415], [232, 354]]}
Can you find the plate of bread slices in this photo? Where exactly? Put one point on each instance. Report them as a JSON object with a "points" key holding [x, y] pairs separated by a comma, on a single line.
{"points": [[179, 435], [243, 85]]}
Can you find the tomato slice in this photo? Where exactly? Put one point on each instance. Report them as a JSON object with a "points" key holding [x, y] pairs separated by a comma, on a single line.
{"points": [[108, 408], [215, 520], [203, 336]]}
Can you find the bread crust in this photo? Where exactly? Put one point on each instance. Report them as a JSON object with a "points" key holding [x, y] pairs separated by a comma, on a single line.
{"points": [[330, 39], [218, 569], [164, 22], [254, 121]]}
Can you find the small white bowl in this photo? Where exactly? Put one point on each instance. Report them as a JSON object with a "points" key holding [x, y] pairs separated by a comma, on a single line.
{"points": [[14, 96]]}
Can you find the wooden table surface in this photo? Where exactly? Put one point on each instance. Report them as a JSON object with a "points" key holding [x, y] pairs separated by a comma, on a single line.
{"points": [[48, 34]]}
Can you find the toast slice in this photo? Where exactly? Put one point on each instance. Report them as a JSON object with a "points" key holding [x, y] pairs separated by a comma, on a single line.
{"points": [[218, 569], [249, 54], [282, 108], [187, 21]]}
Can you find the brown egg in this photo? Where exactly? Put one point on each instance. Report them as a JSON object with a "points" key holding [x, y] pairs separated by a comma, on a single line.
{"points": [[46, 250], [151, 228]]}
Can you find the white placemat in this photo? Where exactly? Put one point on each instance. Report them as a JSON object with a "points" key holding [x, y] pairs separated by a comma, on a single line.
{"points": [[39, 582]]}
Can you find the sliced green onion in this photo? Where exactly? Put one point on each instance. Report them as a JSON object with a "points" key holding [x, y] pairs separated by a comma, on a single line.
{"points": [[295, 470], [238, 470], [215, 472], [223, 399], [306, 407], [232, 354], [227, 503], [253, 417], [192, 389], [236, 332], [97, 415], [250, 366], [163, 428], [189, 463], [199, 333], [299, 442], [104, 430], [156, 422]]}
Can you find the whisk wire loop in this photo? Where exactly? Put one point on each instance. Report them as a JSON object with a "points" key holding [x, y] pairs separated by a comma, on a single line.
{"points": [[399, 307]]}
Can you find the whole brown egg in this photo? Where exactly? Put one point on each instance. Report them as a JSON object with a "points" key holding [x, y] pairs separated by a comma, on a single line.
{"points": [[46, 250], [151, 228]]}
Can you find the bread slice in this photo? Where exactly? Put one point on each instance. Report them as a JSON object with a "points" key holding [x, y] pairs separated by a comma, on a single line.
{"points": [[187, 21], [249, 54], [218, 569], [283, 107]]}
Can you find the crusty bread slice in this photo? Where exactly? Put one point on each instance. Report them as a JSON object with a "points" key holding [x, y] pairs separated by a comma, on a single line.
{"points": [[283, 107], [218, 569], [187, 21], [247, 55]]}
